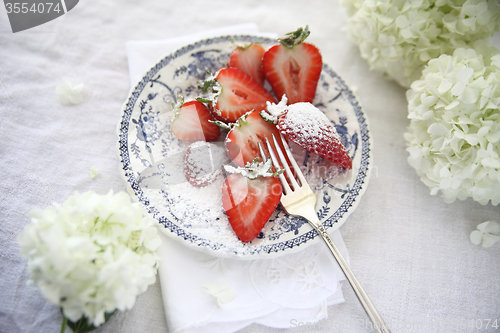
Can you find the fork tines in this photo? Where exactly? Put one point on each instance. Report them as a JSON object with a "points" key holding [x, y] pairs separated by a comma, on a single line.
{"points": [[294, 179]]}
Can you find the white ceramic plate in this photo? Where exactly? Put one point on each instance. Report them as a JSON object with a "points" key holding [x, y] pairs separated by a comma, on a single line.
{"points": [[152, 158]]}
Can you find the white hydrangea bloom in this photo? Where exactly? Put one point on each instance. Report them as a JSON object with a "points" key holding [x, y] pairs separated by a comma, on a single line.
{"points": [[92, 254], [454, 134], [398, 37]]}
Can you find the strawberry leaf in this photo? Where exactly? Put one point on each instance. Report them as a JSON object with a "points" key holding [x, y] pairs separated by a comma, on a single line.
{"points": [[203, 100], [211, 88], [223, 125], [295, 37]]}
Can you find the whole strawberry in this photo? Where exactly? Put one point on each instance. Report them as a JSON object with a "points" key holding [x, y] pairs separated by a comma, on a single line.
{"points": [[293, 67], [308, 127]]}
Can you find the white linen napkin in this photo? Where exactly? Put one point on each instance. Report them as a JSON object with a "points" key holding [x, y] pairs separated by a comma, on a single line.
{"points": [[203, 293]]}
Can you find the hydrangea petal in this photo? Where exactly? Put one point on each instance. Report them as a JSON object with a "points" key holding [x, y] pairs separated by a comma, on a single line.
{"points": [[476, 237], [491, 227], [69, 94], [489, 240]]}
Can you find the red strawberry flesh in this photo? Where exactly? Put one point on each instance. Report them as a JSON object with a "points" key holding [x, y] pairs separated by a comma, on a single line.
{"points": [[248, 59], [249, 203], [242, 142], [293, 71], [240, 94], [293, 68], [192, 123]]}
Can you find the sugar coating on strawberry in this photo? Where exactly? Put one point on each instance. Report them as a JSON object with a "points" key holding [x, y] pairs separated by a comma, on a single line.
{"points": [[274, 111], [311, 129], [254, 169], [203, 163]]}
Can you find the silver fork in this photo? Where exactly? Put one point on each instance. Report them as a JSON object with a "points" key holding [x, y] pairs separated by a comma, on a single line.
{"points": [[299, 199]]}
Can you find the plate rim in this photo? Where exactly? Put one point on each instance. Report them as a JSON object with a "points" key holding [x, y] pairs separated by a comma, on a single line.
{"points": [[176, 232]]}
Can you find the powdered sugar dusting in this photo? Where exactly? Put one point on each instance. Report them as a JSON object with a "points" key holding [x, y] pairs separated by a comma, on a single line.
{"points": [[253, 169], [274, 111], [309, 121], [203, 163]]}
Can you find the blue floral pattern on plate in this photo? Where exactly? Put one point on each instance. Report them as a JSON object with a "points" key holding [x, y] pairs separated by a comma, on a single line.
{"points": [[152, 158]]}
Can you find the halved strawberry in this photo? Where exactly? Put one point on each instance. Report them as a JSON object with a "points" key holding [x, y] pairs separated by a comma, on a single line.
{"points": [[248, 59], [250, 202], [191, 122], [293, 67], [242, 141], [238, 94], [311, 129]]}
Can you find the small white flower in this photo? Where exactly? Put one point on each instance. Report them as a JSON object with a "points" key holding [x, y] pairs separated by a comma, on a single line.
{"points": [[486, 233], [475, 15], [69, 94], [92, 254]]}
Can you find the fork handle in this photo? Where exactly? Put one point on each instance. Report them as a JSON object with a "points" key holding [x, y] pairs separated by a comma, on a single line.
{"points": [[371, 311]]}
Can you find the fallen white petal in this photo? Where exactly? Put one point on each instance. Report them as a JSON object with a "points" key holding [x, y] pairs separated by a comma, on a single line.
{"points": [[476, 237], [221, 291], [93, 172], [69, 94], [489, 240], [490, 227]]}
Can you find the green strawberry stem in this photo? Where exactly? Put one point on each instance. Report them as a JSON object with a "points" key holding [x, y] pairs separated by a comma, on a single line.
{"points": [[295, 37], [223, 125], [203, 100]]}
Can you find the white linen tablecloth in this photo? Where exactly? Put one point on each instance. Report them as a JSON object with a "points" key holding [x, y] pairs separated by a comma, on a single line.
{"points": [[410, 250]]}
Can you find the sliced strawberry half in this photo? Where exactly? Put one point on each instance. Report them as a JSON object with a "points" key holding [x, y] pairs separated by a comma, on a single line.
{"points": [[311, 129], [249, 203], [191, 122], [239, 94], [293, 67], [242, 141], [248, 59]]}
